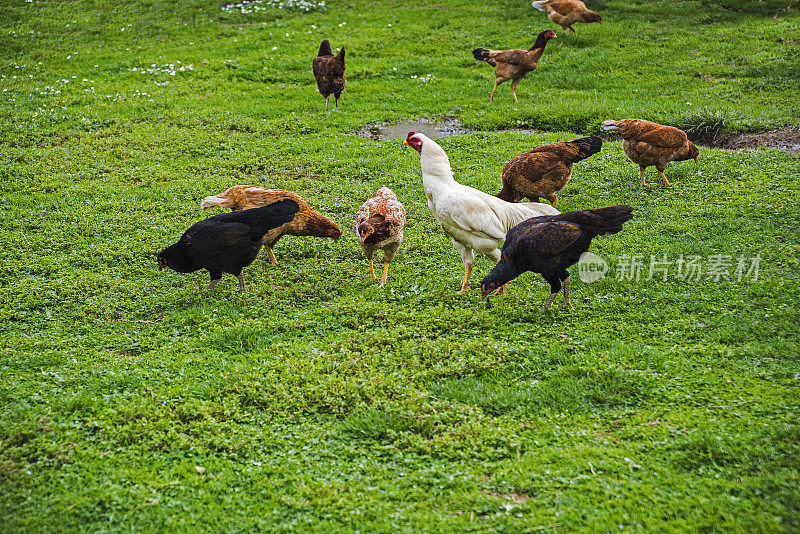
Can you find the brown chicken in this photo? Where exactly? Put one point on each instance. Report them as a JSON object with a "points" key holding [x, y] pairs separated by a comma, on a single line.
{"points": [[549, 245], [545, 169], [379, 225], [329, 72], [565, 13], [648, 143], [513, 64], [305, 222]]}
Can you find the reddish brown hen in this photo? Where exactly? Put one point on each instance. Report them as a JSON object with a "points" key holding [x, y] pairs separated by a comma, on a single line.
{"points": [[565, 13], [652, 144], [545, 169], [379, 225], [513, 64], [306, 222]]}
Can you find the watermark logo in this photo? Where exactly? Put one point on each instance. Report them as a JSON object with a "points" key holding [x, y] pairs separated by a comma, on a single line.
{"points": [[686, 268], [591, 268]]}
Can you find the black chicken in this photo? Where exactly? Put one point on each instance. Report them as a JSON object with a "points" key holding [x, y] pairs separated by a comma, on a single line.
{"points": [[227, 242], [550, 244], [329, 72]]}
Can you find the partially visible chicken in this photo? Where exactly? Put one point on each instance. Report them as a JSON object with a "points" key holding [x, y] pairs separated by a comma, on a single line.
{"points": [[565, 13], [473, 220], [549, 245], [379, 225], [648, 143], [545, 169], [329, 72], [305, 222], [513, 64], [225, 243]]}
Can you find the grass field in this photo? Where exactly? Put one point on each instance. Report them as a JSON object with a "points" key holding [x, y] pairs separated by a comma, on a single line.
{"points": [[133, 401]]}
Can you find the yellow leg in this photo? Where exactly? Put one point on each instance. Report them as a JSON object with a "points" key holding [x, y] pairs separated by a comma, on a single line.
{"points": [[271, 255], [467, 275], [566, 293], [491, 95], [666, 182], [641, 177], [371, 270], [385, 275]]}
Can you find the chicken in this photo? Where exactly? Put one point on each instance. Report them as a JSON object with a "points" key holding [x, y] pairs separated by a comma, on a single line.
{"points": [[225, 243], [545, 169], [305, 222], [549, 245], [513, 64], [329, 72], [565, 13], [379, 225], [473, 220], [648, 143]]}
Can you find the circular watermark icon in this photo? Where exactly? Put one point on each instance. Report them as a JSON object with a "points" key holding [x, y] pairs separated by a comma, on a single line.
{"points": [[591, 268]]}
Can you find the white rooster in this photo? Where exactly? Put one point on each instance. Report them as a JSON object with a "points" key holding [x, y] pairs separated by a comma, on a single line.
{"points": [[474, 220]]}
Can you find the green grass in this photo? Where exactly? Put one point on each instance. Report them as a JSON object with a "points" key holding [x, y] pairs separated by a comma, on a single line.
{"points": [[318, 402]]}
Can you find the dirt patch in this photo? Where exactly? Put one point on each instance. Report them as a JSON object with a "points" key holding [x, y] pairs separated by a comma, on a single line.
{"points": [[433, 127], [786, 139], [437, 127]]}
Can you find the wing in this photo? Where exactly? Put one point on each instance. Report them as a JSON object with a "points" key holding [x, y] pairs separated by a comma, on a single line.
{"points": [[664, 137], [546, 239], [512, 57], [210, 238], [533, 165], [468, 216]]}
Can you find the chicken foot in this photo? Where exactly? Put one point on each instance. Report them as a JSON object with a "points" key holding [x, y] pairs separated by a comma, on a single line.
{"points": [[548, 302], [514, 84], [491, 95], [385, 275], [371, 270], [666, 182], [566, 293]]}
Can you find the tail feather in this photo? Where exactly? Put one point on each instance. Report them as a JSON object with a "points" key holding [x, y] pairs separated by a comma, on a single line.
{"points": [[610, 125], [601, 221], [481, 54], [587, 146], [325, 49], [540, 5], [215, 200]]}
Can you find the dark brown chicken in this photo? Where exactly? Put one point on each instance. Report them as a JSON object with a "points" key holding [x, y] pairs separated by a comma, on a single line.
{"points": [[565, 13], [379, 225], [649, 143], [329, 72], [545, 169], [306, 222], [513, 64], [548, 245]]}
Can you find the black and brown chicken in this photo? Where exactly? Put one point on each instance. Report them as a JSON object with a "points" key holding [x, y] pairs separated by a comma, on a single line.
{"points": [[307, 221], [329, 72], [379, 225], [545, 169], [226, 243], [513, 64], [550, 244]]}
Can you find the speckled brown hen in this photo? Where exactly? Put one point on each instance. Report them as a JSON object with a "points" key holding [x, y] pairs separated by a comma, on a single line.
{"points": [[652, 144], [545, 169], [379, 225], [306, 222], [565, 13]]}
